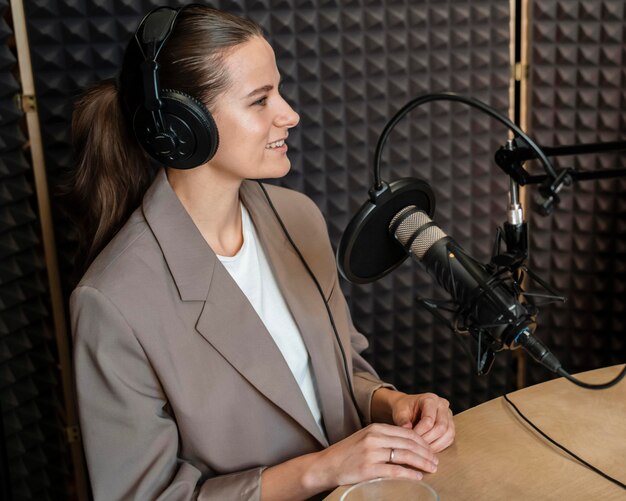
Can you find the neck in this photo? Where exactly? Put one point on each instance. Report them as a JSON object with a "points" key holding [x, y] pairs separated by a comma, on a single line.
{"points": [[212, 202]]}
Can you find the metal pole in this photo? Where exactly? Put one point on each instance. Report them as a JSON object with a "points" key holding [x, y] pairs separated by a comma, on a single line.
{"points": [[45, 215]]}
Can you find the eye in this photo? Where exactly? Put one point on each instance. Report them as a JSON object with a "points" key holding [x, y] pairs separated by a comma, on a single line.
{"points": [[260, 102]]}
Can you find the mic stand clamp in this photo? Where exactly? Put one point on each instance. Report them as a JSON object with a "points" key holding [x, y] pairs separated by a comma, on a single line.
{"points": [[546, 198], [511, 157]]}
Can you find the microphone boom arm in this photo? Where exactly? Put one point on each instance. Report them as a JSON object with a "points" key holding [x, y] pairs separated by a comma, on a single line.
{"points": [[511, 157]]}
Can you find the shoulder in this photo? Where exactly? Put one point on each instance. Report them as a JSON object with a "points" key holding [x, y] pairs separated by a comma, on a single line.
{"points": [[127, 262]]}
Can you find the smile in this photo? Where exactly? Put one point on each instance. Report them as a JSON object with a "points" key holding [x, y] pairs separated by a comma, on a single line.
{"points": [[275, 144]]}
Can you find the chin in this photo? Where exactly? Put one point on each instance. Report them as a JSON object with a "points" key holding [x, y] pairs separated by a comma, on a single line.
{"points": [[279, 169]]}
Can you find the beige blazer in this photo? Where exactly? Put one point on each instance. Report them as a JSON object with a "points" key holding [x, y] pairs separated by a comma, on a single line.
{"points": [[182, 392]]}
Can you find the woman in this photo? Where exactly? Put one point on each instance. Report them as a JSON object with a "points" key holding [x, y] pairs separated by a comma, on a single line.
{"points": [[206, 362]]}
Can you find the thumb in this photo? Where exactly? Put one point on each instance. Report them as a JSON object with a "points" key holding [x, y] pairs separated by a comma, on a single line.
{"points": [[404, 417]]}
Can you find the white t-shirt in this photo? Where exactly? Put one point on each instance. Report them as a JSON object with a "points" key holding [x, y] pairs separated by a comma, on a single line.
{"points": [[252, 272]]}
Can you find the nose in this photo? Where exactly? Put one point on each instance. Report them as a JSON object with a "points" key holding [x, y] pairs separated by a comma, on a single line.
{"points": [[286, 116]]}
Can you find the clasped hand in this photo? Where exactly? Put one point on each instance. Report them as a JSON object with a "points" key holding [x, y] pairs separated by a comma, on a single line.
{"points": [[427, 414], [416, 428]]}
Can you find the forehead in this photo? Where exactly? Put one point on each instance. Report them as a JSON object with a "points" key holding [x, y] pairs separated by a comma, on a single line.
{"points": [[251, 65]]}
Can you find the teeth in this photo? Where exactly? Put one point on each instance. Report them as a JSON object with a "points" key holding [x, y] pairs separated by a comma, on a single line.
{"points": [[275, 144]]}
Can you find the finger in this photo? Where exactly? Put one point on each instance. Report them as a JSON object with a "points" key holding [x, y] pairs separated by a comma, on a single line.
{"points": [[380, 446], [425, 462], [442, 423], [389, 430], [428, 415], [395, 471], [404, 448], [445, 440]]}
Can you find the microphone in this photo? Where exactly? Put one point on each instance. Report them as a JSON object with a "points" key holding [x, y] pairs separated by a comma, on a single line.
{"points": [[485, 300]]}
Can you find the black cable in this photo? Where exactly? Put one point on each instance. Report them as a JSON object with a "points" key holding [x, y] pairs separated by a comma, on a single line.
{"points": [[554, 442], [321, 292], [590, 386], [541, 354]]}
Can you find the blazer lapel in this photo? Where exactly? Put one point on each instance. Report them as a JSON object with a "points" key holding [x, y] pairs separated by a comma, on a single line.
{"points": [[306, 305], [227, 321], [232, 326]]}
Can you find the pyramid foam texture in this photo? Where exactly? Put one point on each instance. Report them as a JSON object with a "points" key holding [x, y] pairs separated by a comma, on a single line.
{"points": [[578, 81], [32, 453]]}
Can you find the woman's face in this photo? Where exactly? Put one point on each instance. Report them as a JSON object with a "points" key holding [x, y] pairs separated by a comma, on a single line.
{"points": [[251, 116]]}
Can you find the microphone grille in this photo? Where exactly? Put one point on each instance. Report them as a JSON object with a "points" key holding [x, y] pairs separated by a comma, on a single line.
{"points": [[412, 224]]}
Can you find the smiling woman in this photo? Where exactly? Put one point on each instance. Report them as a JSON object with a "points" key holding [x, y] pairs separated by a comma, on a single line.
{"points": [[253, 120], [210, 330]]}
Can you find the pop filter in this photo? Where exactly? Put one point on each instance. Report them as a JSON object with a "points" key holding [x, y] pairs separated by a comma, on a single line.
{"points": [[367, 251]]}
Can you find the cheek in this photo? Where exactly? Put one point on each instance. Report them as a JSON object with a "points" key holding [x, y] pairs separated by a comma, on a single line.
{"points": [[243, 128], [241, 144]]}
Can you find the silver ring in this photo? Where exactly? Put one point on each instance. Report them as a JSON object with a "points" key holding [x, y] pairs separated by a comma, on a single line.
{"points": [[392, 453]]}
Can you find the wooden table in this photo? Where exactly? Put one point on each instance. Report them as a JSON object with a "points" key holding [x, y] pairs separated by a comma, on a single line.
{"points": [[497, 456]]}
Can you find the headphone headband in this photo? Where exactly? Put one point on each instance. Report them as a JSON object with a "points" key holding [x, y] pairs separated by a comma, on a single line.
{"points": [[157, 28]]}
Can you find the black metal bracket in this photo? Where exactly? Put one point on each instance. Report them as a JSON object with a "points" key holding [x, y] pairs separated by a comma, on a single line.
{"points": [[511, 157]]}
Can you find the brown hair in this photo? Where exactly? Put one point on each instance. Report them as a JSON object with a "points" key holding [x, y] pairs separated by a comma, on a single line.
{"points": [[112, 171]]}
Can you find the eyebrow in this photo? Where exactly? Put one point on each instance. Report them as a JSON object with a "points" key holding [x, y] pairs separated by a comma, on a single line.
{"points": [[265, 88]]}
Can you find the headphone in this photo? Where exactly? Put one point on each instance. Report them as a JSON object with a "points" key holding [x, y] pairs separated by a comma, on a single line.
{"points": [[174, 128]]}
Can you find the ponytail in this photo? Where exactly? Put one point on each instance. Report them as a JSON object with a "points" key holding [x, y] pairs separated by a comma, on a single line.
{"points": [[111, 173]]}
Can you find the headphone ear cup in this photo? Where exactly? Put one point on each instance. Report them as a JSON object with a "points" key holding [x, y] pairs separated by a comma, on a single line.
{"points": [[190, 138]]}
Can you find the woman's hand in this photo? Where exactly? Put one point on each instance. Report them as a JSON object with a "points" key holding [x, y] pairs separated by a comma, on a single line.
{"points": [[429, 415], [422, 425], [367, 454]]}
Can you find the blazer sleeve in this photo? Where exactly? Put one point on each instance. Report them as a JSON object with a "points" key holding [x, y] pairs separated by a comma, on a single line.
{"points": [[365, 381], [130, 438]]}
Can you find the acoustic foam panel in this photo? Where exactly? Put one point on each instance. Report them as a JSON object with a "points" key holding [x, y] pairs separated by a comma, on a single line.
{"points": [[578, 77], [347, 67], [30, 403]]}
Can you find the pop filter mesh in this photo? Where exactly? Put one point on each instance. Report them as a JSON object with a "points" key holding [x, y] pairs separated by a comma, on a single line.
{"points": [[367, 252]]}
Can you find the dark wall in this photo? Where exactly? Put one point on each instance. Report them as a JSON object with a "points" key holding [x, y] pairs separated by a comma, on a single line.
{"points": [[578, 96], [32, 452]]}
